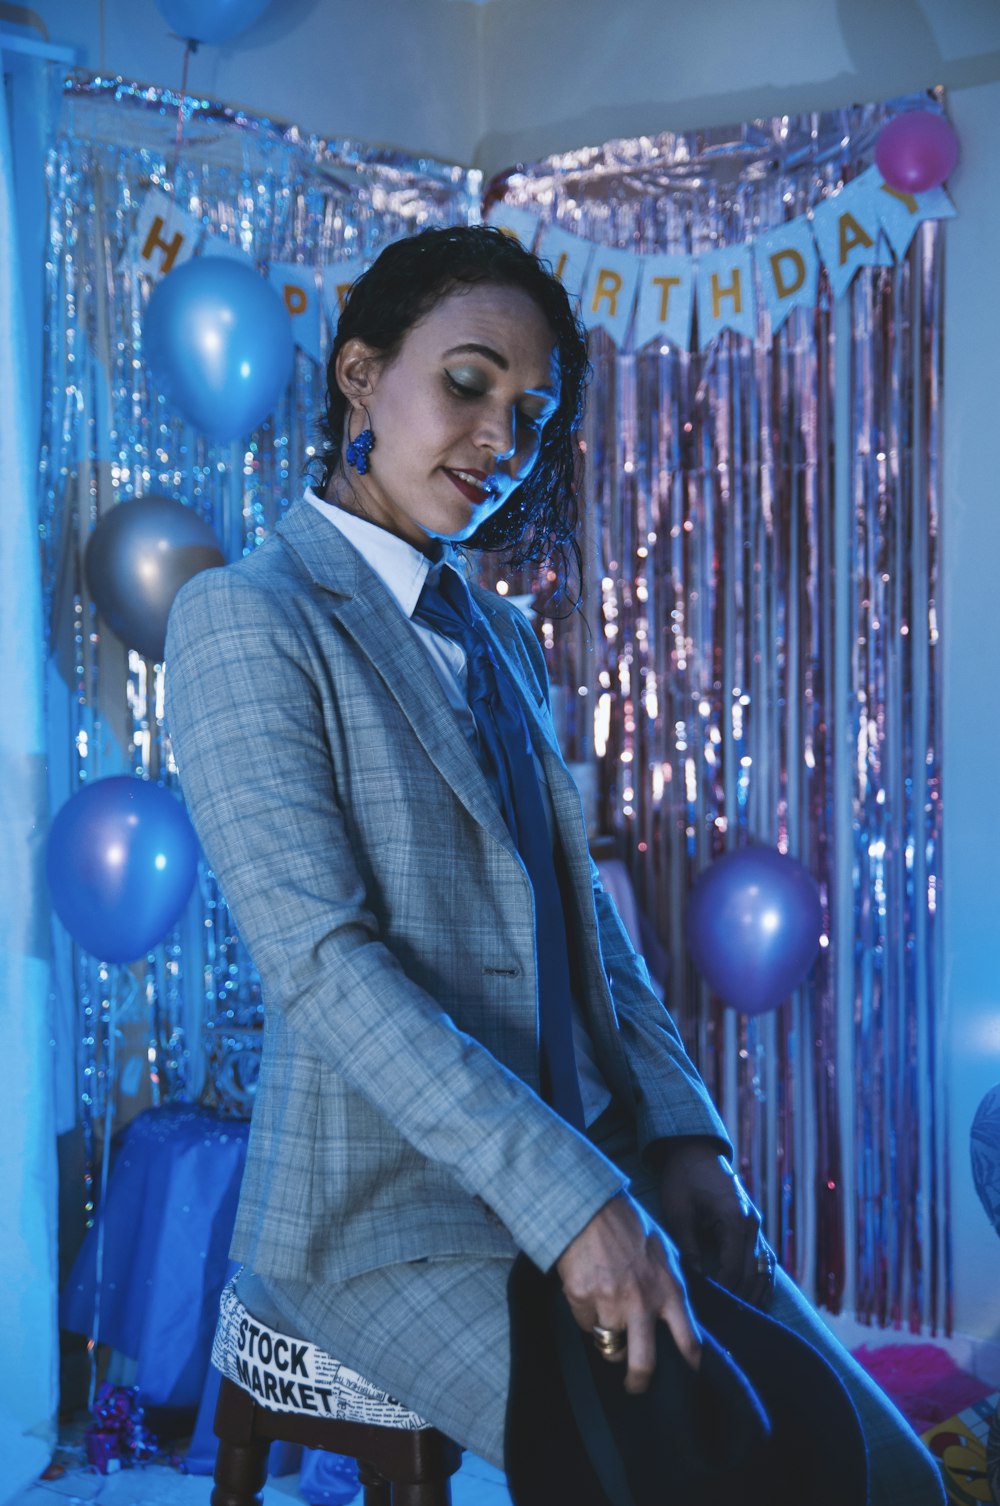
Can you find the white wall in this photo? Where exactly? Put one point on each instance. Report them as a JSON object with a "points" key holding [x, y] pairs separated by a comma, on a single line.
{"points": [[493, 84], [582, 72], [402, 73], [970, 636], [513, 80]]}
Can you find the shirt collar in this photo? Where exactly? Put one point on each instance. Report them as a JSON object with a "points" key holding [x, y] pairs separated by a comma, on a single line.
{"points": [[402, 567]]}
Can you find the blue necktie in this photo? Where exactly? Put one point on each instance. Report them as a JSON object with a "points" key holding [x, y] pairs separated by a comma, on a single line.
{"points": [[505, 744]]}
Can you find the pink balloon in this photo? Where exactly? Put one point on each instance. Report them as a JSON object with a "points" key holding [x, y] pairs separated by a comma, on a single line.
{"points": [[916, 151]]}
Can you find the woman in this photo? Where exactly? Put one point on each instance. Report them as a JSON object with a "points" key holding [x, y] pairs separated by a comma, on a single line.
{"points": [[463, 1057]]}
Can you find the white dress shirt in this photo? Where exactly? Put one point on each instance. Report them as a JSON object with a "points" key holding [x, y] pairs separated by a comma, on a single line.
{"points": [[403, 569]]}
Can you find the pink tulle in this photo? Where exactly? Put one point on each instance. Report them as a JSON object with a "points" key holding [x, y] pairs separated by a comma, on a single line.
{"points": [[923, 1381]]}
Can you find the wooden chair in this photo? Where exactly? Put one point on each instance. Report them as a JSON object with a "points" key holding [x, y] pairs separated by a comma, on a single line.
{"points": [[401, 1460]]}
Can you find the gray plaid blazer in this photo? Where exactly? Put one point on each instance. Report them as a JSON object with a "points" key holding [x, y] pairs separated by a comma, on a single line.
{"points": [[375, 884]]}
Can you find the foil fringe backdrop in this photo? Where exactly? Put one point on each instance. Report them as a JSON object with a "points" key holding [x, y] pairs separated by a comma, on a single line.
{"points": [[757, 655], [757, 659], [193, 1005]]}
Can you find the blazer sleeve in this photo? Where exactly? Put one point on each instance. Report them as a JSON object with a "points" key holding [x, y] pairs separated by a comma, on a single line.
{"points": [[669, 1095], [248, 734]]}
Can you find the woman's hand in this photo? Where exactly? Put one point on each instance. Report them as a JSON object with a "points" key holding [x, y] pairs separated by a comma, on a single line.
{"points": [[622, 1272], [717, 1228]]}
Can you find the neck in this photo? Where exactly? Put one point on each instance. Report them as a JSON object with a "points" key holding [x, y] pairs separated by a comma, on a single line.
{"points": [[340, 491]]}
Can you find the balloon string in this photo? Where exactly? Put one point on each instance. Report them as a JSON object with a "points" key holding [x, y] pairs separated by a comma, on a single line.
{"points": [[190, 46], [109, 1115]]}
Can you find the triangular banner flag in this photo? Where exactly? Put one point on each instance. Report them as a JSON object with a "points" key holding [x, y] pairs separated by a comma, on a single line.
{"points": [[295, 284], [569, 256], [165, 235], [666, 301], [609, 291], [900, 213], [847, 230], [338, 278], [788, 267], [726, 298], [520, 223]]}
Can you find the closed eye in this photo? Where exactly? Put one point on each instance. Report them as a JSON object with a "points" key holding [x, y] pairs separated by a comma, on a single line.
{"points": [[462, 389], [534, 423]]}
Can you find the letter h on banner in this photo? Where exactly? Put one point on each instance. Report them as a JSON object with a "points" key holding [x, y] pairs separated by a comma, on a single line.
{"points": [[165, 235], [726, 298]]}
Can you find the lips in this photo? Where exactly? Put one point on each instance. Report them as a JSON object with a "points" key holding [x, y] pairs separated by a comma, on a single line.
{"points": [[469, 491]]}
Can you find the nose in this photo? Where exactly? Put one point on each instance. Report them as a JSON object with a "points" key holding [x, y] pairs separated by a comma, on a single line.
{"points": [[498, 433]]}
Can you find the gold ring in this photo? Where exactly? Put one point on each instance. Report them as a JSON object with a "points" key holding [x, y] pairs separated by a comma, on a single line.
{"points": [[609, 1341]]}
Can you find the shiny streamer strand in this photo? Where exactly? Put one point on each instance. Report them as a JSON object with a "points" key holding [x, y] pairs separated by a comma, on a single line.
{"points": [[115, 1013], [758, 660]]}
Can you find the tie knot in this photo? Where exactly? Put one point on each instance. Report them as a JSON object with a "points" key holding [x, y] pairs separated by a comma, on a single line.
{"points": [[445, 604]]}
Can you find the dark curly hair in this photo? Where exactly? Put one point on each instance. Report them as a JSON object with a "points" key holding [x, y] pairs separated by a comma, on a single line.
{"points": [[537, 525]]}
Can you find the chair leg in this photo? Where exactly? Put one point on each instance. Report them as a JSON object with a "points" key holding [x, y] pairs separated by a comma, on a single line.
{"points": [[376, 1486], [240, 1472], [426, 1493]]}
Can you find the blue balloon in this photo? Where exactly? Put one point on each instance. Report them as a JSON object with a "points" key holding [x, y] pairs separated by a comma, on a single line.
{"points": [[121, 861], [210, 20], [754, 922], [218, 341]]}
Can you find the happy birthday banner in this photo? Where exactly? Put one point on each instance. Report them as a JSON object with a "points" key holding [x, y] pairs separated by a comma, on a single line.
{"points": [[867, 223], [636, 299]]}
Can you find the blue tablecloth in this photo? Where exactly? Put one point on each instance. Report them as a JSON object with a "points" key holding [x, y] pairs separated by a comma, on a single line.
{"points": [[168, 1220]]}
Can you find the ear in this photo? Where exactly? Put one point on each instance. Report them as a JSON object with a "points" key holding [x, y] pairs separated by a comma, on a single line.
{"points": [[357, 370]]}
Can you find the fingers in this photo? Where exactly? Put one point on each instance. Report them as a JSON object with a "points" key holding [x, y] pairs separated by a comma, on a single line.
{"points": [[676, 1313], [641, 1352], [765, 1262], [621, 1276], [674, 1310], [737, 1241]]}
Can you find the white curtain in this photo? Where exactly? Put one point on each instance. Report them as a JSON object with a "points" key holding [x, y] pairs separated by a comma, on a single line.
{"points": [[28, 1182]]}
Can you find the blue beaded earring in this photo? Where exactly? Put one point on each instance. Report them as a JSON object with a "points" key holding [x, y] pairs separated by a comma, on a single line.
{"points": [[359, 449]]}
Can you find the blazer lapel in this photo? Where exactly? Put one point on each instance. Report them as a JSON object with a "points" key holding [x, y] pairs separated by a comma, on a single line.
{"points": [[359, 600]]}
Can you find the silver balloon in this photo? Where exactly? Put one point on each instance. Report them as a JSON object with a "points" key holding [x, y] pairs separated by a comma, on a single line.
{"points": [[138, 557]]}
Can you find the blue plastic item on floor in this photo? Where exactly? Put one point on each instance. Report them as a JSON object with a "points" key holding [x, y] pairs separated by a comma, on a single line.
{"points": [[328, 1479]]}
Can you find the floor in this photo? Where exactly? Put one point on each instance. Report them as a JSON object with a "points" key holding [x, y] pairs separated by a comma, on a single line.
{"points": [[929, 1383], [476, 1484]]}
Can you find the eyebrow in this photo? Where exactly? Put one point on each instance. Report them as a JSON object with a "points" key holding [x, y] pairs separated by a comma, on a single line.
{"points": [[498, 360], [481, 350]]}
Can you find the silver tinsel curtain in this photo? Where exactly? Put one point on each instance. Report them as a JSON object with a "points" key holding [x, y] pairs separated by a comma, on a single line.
{"points": [[758, 659]]}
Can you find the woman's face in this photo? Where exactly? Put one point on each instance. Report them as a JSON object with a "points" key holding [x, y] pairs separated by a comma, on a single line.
{"points": [[457, 414]]}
